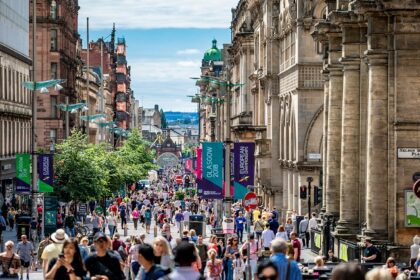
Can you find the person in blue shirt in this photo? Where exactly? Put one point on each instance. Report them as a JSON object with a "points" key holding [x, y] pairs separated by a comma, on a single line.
{"points": [[284, 266], [240, 221]]}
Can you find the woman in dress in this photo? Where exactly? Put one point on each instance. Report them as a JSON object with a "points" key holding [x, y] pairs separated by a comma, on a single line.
{"points": [[214, 266], [10, 262], [281, 233], [288, 227], [231, 250], [163, 253], [69, 264]]}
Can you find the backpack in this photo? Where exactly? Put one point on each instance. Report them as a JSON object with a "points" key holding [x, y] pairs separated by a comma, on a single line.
{"points": [[122, 252]]}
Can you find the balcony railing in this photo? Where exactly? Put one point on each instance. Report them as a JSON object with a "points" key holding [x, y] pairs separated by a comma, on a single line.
{"points": [[243, 119]]}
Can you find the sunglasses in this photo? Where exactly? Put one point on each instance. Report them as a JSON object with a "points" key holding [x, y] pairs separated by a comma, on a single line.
{"points": [[269, 277]]}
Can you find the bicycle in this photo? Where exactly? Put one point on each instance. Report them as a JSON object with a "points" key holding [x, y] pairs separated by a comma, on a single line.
{"points": [[81, 229]]}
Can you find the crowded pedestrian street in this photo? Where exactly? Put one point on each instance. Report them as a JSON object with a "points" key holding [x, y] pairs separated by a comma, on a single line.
{"points": [[217, 140]]}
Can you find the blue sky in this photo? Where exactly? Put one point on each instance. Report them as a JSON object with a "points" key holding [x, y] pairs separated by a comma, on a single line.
{"points": [[165, 40]]}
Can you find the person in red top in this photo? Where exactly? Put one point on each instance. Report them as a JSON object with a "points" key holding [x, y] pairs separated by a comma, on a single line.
{"points": [[114, 208], [119, 200], [296, 246]]}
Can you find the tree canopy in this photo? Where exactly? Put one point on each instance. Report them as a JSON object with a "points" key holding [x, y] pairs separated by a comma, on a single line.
{"points": [[92, 171]]}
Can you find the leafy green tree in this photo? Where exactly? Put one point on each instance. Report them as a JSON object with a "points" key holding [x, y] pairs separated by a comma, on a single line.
{"points": [[78, 176]]}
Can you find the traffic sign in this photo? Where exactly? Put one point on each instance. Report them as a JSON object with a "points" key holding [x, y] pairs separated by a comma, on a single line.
{"points": [[416, 188], [250, 201]]}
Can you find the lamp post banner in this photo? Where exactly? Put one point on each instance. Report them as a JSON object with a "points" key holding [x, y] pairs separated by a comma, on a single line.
{"points": [[211, 184], [23, 172], [199, 170], [45, 172], [244, 165]]}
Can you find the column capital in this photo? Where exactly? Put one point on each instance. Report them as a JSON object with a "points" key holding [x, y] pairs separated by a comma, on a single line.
{"points": [[377, 57]]}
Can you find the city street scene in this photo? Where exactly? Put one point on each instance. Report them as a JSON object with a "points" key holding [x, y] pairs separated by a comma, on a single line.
{"points": [[220, 140]]}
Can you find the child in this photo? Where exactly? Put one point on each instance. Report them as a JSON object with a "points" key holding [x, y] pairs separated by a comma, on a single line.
{"points": [[238, 267]]}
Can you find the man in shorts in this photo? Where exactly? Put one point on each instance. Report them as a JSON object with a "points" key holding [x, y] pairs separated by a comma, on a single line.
{"points": [[25, 250]]}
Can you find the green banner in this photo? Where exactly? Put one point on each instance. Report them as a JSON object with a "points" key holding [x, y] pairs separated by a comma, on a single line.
{"points": [[343, 252], [23, 172]]}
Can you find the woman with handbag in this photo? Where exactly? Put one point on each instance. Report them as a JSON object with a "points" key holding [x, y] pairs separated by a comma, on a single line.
{"points": [[10, 262], [231, 250]]}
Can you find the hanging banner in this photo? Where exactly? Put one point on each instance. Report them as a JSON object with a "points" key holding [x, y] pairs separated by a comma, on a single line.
{"points": [[244, 161], [23, 172], [188, 165], [45, 173], [211, 184], [199, 170]]}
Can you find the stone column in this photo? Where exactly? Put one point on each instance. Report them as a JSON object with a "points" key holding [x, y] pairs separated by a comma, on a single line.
{"points": [[324, 140], [377, 146], [296, 203], [290, 189], [334, 125], [350, 133], [276, 171], [285, 189]]}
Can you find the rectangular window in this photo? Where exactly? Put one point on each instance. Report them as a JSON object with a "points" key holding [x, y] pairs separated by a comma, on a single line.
{"points": [[53, 106], [53, 70], [53, 10], [53, 39]]}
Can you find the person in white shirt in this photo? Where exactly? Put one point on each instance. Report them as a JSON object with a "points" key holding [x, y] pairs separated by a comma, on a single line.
{"points": [[313, 224], [266, 237], [187, 215]]}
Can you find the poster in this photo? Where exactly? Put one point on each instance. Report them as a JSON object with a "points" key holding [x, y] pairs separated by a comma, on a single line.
{"points": [[211, 183], [343, 252], [412, 209], [45, 173], [244, 161], [23, 172]]}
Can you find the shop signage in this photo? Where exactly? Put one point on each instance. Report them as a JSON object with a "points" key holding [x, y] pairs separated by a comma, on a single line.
{"points": [[409, 153], [314, 156]]}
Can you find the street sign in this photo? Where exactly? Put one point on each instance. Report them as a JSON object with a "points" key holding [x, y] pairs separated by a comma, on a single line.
{"points": [[416, 188], [178, 179], [250, 201]]}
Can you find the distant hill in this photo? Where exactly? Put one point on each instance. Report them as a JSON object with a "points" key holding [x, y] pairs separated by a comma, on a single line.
{"points": [[181, 117]]}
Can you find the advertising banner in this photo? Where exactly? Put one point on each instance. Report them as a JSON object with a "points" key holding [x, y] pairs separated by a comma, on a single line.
{"points": [[23, 172], [211, 183], [45, 173], [199, 170], [244, 161], [188, 165]]}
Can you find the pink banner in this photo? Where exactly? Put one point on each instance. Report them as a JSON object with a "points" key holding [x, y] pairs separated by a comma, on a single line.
{"points": [[188, 166], [199, 170]]}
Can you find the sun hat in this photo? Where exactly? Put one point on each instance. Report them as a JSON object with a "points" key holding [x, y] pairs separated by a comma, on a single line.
{"points": [[59, 236]]}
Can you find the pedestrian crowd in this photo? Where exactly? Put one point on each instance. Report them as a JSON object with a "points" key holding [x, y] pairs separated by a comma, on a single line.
{"points": [[271, 250]]}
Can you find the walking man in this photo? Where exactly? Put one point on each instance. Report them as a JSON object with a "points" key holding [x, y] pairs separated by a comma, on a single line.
{"points": [[240, 222], [25, 250]]}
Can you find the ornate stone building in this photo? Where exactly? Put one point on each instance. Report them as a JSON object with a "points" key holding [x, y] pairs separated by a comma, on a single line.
{"points": [[371, 71], [280, 106], [56, 59]]}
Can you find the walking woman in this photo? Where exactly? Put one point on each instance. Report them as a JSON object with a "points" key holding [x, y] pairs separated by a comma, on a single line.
{"points": [[112, 223], [11, 215], [163, 252], [135, 214], [288, 227], [214, 266], [281, 233], [231, 249], [10, 262], [69, 264], [166, 230]]}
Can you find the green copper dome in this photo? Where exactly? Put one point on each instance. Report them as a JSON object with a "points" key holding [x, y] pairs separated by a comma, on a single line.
{"points": [[213, 54]]}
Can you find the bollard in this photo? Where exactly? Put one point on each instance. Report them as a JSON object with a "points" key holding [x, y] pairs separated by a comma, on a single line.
{"points": [[125, 229], [155, 231]]}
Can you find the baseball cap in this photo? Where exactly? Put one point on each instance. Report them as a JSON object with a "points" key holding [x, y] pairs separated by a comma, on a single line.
{"points": [[99, 235]]}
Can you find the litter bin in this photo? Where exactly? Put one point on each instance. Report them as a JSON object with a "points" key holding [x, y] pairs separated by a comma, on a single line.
{"points": [[197, 223], [23, 224]]}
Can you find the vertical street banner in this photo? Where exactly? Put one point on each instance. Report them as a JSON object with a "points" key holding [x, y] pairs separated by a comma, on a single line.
{"points": [[23, 172], [244, 161], [211, 183], [188, 165], [199, 170], [45, 173]]}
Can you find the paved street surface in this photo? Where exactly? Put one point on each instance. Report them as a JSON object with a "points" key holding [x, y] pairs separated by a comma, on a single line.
{"points": [[307, 255]]}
